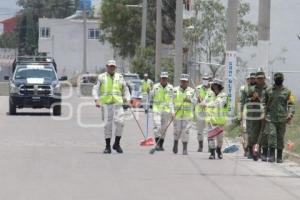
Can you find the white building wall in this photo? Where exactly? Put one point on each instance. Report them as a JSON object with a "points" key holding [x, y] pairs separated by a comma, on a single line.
{"points": [[66, 46]]}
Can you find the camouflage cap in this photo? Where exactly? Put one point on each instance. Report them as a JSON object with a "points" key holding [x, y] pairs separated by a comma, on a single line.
{"points": [[260, 74], [184, 77], [111, 63], [206, 77], [252, 75], [218, 82], [164, 75], [278, 75]]}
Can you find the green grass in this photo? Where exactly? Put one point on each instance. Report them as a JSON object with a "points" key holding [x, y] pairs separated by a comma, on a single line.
{"points": [[293, 131], [233, 130], [292, 134]]}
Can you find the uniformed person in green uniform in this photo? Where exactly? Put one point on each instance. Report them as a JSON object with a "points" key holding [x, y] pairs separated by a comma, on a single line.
{"points": [[280, 108], [255, 111], [246, 124]]}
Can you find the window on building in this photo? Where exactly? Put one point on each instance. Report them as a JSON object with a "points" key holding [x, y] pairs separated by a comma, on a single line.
{"points": [[94, 34], [44, 32]]}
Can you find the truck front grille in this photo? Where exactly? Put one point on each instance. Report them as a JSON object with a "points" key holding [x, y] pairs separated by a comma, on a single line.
{"points": [[41, 90]]}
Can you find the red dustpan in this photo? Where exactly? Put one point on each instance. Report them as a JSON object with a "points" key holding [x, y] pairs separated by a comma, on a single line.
{"points": [[215, 131], [147, 142]]}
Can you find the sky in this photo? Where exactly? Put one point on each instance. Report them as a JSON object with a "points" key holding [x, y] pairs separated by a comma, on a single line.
{"points": [[285, 20]]}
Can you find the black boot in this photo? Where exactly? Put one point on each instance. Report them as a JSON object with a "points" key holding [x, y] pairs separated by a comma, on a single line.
{"points": [[279, 156], [175, 146], [107, 149], [212, 154], [200, 149], [272, 155], [264, 156], [156, 139], [246, 152], [117, 146], [184, 151], [161, 145], [219, 152], [250, 154]]}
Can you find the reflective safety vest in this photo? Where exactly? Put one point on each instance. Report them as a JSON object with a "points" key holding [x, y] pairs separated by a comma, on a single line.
{"points": [[183, 110], [146, 86], [217, 115], [204, 93], [111, 89], [162, 98]]}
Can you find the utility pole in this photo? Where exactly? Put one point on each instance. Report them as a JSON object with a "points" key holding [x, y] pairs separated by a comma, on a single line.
{"points": [[178, 60], [84, 60], [144, 24], [52, 46], [264, 35], [231, 53], [158, 39]]}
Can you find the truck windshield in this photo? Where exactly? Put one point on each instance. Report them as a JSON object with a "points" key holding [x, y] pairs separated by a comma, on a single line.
{"points": [[35, 71], [130, 77]]}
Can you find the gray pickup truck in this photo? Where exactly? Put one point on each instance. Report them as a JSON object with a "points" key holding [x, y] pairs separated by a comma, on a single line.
{"points": [[35, 84]]}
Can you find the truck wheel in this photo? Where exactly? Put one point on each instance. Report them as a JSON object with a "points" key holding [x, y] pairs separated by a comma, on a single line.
{"points": [[12, 108], [57, 110]]}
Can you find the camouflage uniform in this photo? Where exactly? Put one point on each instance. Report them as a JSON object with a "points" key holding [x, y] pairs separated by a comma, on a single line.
{"points": [[246, 124], [255, 113], [280, 106]]}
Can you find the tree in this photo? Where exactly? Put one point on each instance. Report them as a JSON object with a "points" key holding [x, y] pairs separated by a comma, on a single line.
{"points": [[49, 8], [209, 31], [9, 40], [121, 25], [143, 61]]}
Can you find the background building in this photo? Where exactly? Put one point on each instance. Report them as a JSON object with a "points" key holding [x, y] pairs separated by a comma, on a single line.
{"points": [[63, 40], [9, 24]]}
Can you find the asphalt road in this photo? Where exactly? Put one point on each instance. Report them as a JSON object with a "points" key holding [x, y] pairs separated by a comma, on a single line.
{"points": [[45, 158]]}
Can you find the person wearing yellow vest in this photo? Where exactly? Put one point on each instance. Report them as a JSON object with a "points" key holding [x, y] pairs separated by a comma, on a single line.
{"points": [[111, 93], [147, 85], [163, 109], [202, 92], [183, 106], [216, 115]]}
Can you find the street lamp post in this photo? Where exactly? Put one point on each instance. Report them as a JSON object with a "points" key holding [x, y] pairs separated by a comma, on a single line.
{"points": [[144, 6], [84, 60]]}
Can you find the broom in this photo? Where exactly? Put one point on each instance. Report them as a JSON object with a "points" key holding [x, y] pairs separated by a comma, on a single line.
{"points": [[152, 151], [147, 141]]}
